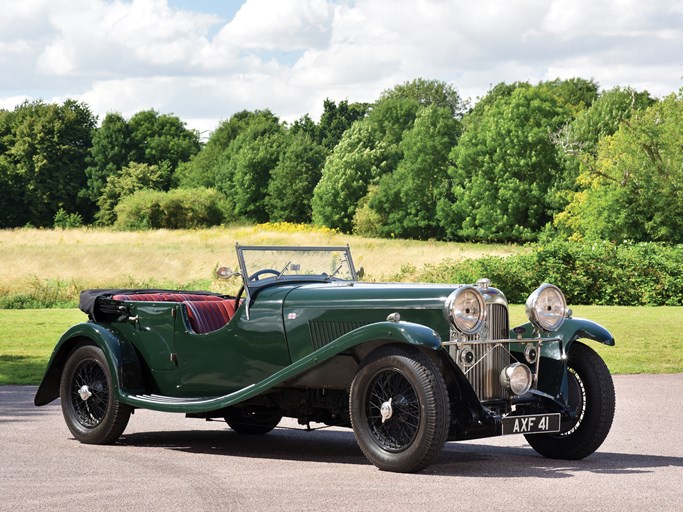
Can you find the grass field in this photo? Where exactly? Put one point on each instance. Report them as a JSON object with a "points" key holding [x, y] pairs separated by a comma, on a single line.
{"points": [[59, 263], [37, 262], [648, 339]]}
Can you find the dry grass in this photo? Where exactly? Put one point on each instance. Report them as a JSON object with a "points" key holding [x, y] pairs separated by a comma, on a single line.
{"points": [[88, 258]]}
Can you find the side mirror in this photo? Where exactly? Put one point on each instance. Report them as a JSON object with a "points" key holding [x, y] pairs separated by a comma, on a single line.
{"points": [[360, 273], [226, 273]]}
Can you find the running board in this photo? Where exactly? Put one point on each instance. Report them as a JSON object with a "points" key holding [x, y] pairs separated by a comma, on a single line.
{"points": [[187, 404]]}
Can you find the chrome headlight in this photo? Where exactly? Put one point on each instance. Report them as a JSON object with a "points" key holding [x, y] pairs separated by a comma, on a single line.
{"points": [[517, 378], [546, 308], [466, 309]]}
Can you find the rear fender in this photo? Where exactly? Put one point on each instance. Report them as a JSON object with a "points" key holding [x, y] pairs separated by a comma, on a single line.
{"points": [[124, 363]]}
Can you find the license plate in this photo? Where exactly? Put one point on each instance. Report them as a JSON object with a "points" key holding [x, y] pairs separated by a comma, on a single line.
{"points": [[533, 424]]}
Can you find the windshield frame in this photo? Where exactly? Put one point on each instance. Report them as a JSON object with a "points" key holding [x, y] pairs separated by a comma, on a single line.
{"points": [[251, 287]]}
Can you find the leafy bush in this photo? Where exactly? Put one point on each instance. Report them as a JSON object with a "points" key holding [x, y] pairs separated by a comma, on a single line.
{"points": [[42, 293], [176, 209], [66, 220], [292, 227], [601, 273]]}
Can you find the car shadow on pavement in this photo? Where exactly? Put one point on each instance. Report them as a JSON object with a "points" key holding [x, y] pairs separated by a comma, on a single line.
{"points": [[479, 460], [339, 447]]}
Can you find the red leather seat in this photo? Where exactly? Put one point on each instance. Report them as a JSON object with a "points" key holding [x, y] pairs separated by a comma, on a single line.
{"points": [[166, 297], [207, 316]]}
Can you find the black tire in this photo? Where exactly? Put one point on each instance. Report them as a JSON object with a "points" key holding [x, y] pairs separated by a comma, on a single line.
{"points": [[412, 436], [96, 417], [253, 422], [591, 392]]}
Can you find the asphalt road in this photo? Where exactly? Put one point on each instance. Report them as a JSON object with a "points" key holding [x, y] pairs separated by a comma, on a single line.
{"points": [[166, 462]]}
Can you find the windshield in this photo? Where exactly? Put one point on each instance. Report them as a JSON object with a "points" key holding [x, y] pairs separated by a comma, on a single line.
{"points": [[279, 263]]}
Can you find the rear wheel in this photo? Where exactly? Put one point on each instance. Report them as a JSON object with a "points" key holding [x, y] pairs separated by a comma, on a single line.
{"points": [[399, 409], [591, 395], [253, 421], [91, 411]]}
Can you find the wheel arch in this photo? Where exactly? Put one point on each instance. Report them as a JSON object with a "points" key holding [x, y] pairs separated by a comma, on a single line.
{"points": [[347, 352], [122, 358]]}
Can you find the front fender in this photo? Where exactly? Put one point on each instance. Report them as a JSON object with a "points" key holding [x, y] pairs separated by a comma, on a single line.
{"points": [[123, 361], [553, 365], [402, 332], [572, 329]]}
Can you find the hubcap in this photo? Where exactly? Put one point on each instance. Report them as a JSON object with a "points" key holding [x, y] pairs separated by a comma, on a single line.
{"points": [[386, 410], [84, 392]]}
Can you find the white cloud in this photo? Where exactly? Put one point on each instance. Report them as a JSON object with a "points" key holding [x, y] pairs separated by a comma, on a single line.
{"points": [[289, 55], [282, 25]]}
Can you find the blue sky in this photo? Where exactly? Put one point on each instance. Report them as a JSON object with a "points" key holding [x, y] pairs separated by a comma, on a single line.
{"points": [[205, 60]]}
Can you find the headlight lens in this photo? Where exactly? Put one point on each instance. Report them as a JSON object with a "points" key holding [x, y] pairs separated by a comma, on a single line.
{"points": [[546, 308], [467, 309], [517, 378]]}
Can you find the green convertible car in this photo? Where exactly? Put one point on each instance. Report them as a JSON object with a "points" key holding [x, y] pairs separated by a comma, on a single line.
{"points": [[406, 366]]}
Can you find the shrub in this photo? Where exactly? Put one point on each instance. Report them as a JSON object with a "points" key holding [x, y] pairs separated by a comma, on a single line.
{"points": [[66, 220], [176, 209], [602, 273]]}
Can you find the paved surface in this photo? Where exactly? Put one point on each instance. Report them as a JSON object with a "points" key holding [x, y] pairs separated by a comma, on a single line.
{"points": [[166, 462]]}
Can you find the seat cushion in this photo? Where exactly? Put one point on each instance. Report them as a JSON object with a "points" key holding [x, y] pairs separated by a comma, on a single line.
{"points": [[207, 316], [166, 297]]}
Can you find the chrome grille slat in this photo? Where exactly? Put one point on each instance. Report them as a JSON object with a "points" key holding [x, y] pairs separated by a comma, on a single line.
{"points": [[490, 357]]}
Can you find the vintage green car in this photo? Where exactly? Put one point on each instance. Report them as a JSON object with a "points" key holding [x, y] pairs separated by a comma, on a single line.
{"points": [[406, 366]]}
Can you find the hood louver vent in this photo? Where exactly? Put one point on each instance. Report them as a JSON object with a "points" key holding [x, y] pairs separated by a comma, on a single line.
{"points": [[324, 332]]}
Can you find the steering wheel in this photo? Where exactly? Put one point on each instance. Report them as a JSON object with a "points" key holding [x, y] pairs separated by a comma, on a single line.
{"points": [[254, 277]]}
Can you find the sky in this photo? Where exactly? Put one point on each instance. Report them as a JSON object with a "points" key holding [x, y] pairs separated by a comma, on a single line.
{"points": [[204, 60]]}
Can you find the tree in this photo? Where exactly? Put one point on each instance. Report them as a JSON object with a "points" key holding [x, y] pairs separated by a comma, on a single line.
{"points": [[248, 164], [575, 94], [578, 139], [336, 119], [426, 93], [294, 178], [355, 163], [504, 166], [112, 149], [372, 148], [45, 147], [407, 199], [204, 169], [632, 189], [163, 140], [602, 119], [132, 178]]}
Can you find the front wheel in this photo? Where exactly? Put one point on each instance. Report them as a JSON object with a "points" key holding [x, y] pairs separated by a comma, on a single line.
{"points": [[91, 411], [591, 395], [400, 411]]}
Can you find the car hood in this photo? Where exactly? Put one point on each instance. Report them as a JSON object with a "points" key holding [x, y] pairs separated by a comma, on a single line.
{"points": [[345, 295]]}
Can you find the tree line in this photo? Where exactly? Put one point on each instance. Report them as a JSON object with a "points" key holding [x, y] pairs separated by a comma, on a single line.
{"points": [[527, 161]]}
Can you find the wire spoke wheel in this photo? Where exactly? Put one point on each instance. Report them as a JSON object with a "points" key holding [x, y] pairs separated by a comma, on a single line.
{"points": [[89, 394], [399, 409], [89, 406], [590, 395], [577, 401], [397, 432]]}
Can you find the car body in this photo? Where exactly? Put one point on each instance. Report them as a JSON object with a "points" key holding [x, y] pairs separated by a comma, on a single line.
{"points": [[406, 366]]}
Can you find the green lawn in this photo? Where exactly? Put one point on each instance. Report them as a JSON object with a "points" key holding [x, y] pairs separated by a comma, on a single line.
{"points": [[649, 340], [27, 337]]}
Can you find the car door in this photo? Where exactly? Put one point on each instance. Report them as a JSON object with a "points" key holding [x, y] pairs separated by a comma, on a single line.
{"points": [[242, 353]]}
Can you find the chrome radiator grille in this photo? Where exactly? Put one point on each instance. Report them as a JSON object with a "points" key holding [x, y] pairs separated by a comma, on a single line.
{"points": [[489, 357]]}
